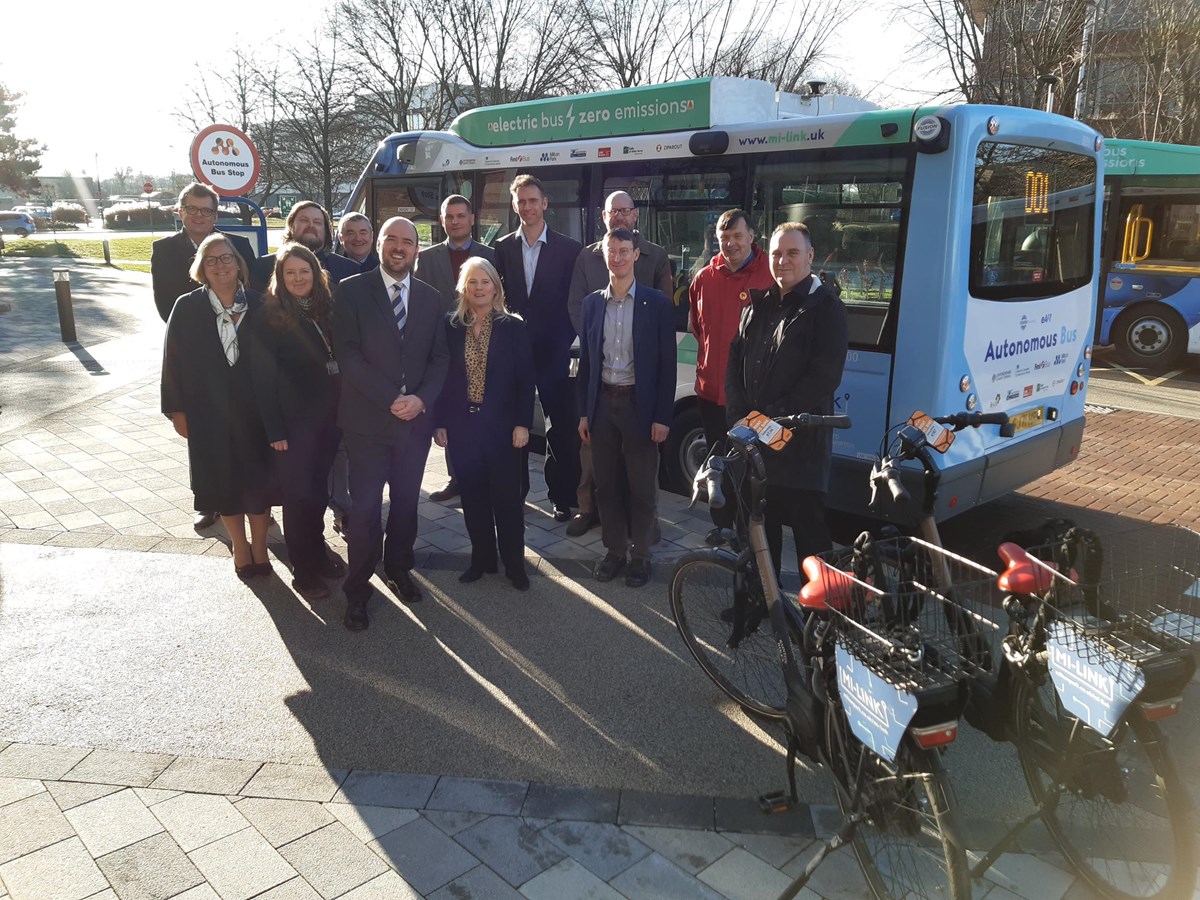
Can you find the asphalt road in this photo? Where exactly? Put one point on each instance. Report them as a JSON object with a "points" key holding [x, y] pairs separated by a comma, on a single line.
{"points": [[1173, 393]]}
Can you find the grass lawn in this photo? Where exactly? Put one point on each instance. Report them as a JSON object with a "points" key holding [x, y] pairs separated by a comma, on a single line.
{"points": [[79, 248]]}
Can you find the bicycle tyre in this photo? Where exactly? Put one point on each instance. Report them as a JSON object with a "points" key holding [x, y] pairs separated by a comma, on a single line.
{"points": [[702, 587], [909, 844], [1098, 833]]}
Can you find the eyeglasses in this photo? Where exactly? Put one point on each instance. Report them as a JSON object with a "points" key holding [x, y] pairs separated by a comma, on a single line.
{"points": [[622, 210], [620, 252], [223, 260], [202, 211]]}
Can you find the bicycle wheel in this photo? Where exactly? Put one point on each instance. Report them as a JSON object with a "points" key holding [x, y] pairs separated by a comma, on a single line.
{"points": [[907, 842], [747, 669], [1116, 806]]}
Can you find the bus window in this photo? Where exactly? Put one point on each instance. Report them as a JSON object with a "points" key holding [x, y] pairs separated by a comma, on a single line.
{"points": [[853, 209], [493, 212], [1031, 226], [1160, 230], [417, 199]]}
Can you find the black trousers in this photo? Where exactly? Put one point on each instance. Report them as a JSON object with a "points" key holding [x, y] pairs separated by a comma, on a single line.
{"points": [[373, 464], [712, 417], [562, 438], [490, 472], [304, 484], [617, 436], [804, 513]]}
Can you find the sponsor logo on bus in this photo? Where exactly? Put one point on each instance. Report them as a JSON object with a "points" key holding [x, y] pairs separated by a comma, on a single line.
{"points": [[631, 151], [1027, 391], [1041, 364], [1021, 370], [604, 152], [661, 147], [550, 156], [468, 161], [578, 154], [1060, 358], [491, 160], [1042, 387], [787, 137], [1012, 395], [996, 401], [519, 158], [1116, 284]]}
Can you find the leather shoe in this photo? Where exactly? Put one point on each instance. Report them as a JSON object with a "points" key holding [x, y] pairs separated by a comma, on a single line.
{"points": [[246, 572], [204, 520], [561, 513], [520, 581], [638, 573], [447, 492], [474, 573], [581, 523], [402, 585], [356, 615], [331, 566], [310, 586], [608, 568], [261, 569]]}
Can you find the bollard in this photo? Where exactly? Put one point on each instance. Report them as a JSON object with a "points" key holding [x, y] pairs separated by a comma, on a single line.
{"points": [[66, 312], [107, 253]]}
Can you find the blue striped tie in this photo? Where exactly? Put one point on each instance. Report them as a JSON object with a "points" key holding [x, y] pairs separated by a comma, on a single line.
{"points": [[399, 310]]}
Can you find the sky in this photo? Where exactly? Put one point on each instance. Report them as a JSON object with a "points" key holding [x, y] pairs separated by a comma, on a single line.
{"points": [[100, 83]]}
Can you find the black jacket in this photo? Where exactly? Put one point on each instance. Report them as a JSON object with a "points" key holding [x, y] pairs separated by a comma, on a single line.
{"points": [[788, 358], [170, 259], [292, 383]]}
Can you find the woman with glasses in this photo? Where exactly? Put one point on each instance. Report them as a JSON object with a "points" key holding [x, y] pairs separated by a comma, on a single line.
{"points": [[207, 394], [483, 417], [296, 383]]}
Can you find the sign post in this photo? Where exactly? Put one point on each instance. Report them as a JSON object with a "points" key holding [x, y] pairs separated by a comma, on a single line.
{"points": [[148, 189], [226, 160]]}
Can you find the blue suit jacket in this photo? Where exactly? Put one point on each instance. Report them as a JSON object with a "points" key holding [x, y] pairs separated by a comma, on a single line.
{"points": [[545, 307], [653, 356]]}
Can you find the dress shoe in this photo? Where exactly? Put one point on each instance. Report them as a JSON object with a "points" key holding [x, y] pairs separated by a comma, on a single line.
{"points": [[638, 572], [448, 492], [356, 615], [331, 566], [608, 568], [561, 513], [403, 586], [246, 572], [520, 581], [204, 520], [474, 573], [262, 569], [581, 523], [310, 586]]}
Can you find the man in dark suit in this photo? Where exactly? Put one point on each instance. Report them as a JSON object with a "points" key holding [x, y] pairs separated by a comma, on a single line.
{"points": [[171, 260], [626, 388], [439, 266], [535, 265], [390, 342], [171, 257], [358, 242], [310, 225]]}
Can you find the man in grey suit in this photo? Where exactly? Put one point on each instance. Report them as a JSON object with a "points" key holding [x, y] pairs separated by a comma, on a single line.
{"points": [[439, 266], [390, 343]]}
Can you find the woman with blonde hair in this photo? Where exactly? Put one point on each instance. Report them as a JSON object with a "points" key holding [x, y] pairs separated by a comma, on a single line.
{"points": [[296, 383], [206, 393], [483, 417]]}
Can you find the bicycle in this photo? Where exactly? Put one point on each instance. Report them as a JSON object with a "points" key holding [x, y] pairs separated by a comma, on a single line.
{"points": [[848, 653], [1078, 630]]}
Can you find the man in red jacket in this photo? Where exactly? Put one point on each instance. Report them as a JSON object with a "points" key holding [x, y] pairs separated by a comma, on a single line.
{"points": [[715, 302]]}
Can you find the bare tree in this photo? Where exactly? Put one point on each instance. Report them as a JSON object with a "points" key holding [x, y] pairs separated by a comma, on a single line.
{"points": [[385, 52], [634, 41], [1162, 76]]}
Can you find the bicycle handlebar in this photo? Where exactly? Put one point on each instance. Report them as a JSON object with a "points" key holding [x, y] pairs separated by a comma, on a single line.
{"points": [[959, 421]]}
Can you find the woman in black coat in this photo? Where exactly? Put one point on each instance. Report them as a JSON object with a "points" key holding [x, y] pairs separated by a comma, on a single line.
{"points": [[296, 383], [483, 416], [206, 393]]}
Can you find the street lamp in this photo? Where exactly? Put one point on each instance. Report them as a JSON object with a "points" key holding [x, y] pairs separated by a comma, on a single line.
{"points": [[1050, 82]]}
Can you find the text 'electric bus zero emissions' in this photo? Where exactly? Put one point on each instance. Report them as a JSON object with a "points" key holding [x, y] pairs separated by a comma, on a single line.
{"points": [[1150, 289], [964, 239]]}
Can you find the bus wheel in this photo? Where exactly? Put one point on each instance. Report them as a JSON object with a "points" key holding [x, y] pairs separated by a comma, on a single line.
{"points": [[1151, 336], [684, 452]]}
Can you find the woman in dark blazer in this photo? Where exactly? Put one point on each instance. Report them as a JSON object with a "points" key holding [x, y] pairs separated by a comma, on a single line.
{"points": [[483, 416], [296, 383], [206, 393]]}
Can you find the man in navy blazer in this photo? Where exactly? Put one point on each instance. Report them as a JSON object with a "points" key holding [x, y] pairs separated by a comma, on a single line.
{"points": [[535, 264], [626, 393], [389, 338], [439, 266], [310, 225]]}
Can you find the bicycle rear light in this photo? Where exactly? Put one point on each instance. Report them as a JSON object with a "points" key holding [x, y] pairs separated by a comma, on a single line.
{"points": [[1161, 709], [935, 735]]}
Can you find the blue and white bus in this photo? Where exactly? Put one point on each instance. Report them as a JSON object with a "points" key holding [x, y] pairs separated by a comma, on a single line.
{"points": [[965, 239], [1150, 297]]}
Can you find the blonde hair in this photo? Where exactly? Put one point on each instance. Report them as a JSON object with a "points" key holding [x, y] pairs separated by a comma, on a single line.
{"points": [[463, 314], [197, 269]]}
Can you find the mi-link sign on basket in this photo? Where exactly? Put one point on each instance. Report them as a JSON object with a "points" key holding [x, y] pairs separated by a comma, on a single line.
{"points": [[878, 712], [1094, 684]]}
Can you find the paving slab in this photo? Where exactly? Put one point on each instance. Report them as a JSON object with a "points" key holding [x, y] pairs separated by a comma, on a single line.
{"points": [[656, 878], [209, 776], [332, 860], [690, 849], [62, 871], [552, 801], [481, 883], [774, 849], [242, 865], [194, 820], [293, 889], [479, 795], [113, 822], [740, 875], [69, 794], [35, 761], [390, 886], [370, 822], [154, 868], [648, 808], [566, 880], [282, 781], [425, 857], [386, 789], [14, 789], [152, 796], [452, 821], [282, 821], [119, 767], [510, 848], [31, 824], [603, 848]]}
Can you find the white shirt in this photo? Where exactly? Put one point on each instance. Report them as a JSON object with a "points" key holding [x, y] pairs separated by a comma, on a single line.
{"points": [[529, 256]]}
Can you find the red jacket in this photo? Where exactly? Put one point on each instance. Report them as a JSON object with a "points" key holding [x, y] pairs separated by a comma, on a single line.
{"points": [[716, 299]]}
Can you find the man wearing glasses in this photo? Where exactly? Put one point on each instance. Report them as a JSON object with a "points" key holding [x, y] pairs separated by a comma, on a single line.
{"points": [[652, 269], [171, 257]]}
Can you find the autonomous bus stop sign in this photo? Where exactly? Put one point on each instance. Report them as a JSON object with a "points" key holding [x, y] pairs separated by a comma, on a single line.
{"points": [[226, 160]]}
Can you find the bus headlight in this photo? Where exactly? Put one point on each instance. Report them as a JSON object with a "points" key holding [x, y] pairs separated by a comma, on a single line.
{"points": [[1079, 371], [972, 402], [964, 384], [993, 125]]}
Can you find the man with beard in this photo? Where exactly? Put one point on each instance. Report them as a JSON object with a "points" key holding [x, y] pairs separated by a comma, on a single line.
{"points": [[389, 338], [358, 241], [310, 225]]}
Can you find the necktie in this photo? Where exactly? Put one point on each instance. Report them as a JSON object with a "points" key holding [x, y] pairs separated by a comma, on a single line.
{"points": [[398, 306]]}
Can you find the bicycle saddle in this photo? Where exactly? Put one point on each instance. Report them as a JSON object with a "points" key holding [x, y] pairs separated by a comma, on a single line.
{"points": [[826, 586], [1022, 574]]}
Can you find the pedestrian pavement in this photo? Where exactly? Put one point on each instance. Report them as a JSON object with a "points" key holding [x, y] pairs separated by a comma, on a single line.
{"points": [[85, 464]]}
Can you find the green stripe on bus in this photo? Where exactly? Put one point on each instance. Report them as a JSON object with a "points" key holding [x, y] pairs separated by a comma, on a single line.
{"points": [[685, 349]]}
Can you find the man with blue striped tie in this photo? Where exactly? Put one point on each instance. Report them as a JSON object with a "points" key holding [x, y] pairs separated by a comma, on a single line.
{"points": [[390, 346]]}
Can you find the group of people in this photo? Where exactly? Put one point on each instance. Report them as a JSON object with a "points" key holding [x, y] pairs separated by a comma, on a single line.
{"points": [[309, 379]]}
